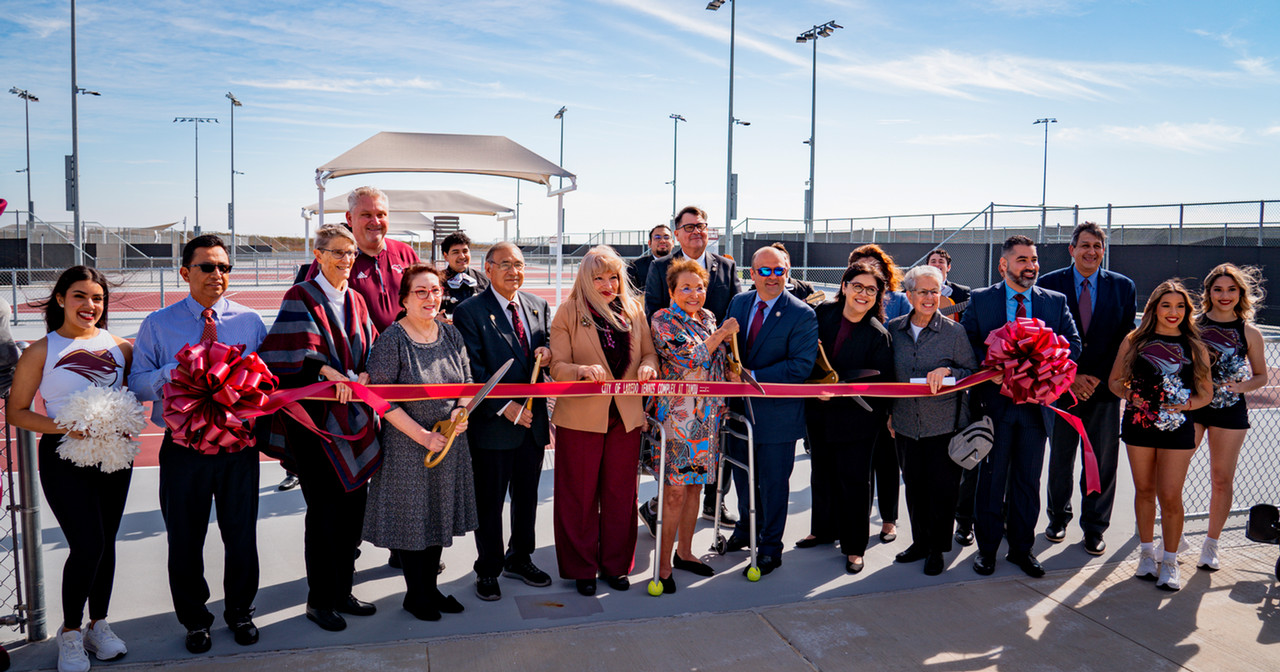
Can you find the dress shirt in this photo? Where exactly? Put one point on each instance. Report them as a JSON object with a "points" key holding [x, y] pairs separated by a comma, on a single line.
{"points": [[768, 310], [337, 299], [703, 260], [167, 331], [1011, 304], [1079, 280]]}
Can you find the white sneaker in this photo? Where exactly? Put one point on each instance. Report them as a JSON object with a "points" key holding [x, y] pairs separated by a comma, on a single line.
{"points": [[71, 655], [1147, 568], [1208, 556], [101, 642], [1169, 579]]}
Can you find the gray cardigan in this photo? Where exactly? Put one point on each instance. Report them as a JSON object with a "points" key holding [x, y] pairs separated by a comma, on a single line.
{"points": [[942, 343]]}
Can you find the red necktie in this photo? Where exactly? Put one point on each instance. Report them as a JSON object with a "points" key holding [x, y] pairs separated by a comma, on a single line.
{"points": [[518, 326], [1022, 306], [210, 333], [756, 323], [1086, 307]]}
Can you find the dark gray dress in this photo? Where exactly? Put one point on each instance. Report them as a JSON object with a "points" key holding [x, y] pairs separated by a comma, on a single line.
{"points": [[410, 506]]}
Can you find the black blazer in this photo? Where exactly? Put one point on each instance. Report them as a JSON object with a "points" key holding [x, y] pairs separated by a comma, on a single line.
{"points": [[1114, 307], [721, 288], [986, 313], [490, 343], [783, 352], [869, 347], [638, 271]]}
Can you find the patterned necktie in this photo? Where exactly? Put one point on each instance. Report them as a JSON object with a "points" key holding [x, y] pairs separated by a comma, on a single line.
{"points": [[519, 327], [1022, 306], [210, 333], [1086, 307], [756, 323]]}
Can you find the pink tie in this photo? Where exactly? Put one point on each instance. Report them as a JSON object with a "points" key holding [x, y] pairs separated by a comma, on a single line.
{"points": [[1086, 307], [756, 323]]}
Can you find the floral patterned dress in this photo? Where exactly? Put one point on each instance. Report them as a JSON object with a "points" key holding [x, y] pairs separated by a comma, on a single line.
{"points": [[1162, 374], [692, 423]]}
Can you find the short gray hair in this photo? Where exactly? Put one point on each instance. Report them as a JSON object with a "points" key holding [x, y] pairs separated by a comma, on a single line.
{"points": [[925, 271], [498, 247], [330, 231], [374, 192]]}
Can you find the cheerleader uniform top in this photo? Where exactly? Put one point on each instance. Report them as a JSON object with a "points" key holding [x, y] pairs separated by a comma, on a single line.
{"points": [[1229, 349], [1162, 374], [72, 365]]}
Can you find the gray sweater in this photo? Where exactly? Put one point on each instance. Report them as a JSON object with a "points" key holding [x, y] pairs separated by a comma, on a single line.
{"points": [[942, 343]]}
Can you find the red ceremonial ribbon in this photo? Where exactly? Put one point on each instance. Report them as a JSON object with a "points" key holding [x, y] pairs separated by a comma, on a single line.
{"points": [[212, 392], [1037, 369]]}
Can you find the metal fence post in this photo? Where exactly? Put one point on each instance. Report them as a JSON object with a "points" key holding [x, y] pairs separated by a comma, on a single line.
{"points": [[991, 230], [32, 542], [1181, 216], [1262, 214], [13, 277], [933, 227], [888, 229], [162, 286], [1106, 257]]}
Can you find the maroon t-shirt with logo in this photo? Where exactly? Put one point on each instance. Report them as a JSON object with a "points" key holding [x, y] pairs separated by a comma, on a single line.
{"points": [[377, 279]]}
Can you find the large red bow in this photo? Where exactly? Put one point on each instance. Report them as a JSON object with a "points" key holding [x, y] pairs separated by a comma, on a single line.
{"points": [[1035, 361], [212, 393]]}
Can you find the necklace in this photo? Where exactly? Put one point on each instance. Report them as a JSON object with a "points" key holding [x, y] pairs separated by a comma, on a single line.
{"points": [[420, 336]]}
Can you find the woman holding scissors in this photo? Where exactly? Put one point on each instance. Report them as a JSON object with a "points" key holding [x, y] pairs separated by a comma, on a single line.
{"points": [[598, 334]]}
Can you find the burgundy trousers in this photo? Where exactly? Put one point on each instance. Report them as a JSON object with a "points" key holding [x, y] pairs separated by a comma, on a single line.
{"points": [[595, 500]]}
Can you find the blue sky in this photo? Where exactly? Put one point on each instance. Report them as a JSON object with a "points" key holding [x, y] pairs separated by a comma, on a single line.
{"points": [[922, 106]]}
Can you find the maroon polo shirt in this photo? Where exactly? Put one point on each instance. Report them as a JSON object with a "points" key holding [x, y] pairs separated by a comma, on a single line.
{"points": [[377, 279]]}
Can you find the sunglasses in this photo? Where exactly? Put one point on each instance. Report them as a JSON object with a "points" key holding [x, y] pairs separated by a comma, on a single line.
{"points": [[765, 271], [209, 268]]}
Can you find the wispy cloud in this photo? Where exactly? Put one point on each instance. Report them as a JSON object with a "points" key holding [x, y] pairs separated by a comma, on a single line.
{"points": [[375, 86], [1036, 7], [953, 139], [42, 26], [1224, 38], [1191, 137], [1274, 130]]}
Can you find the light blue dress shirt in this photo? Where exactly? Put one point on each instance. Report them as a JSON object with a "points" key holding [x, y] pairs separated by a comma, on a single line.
{"points": [[768, 312], [167, 331], [1093, 284]]}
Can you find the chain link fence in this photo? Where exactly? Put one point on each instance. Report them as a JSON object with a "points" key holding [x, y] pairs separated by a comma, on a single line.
{"points": [[11, 600]]}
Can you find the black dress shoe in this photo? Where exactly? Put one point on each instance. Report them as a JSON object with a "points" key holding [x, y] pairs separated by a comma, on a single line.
{"points": [[199, 641], [699, 568], [586, 587], [290, 482], [668, 585], [1094, 544], [244, 631], [811, 542], [618, 583], [934, 564], [350, 605], [912, 554], [888, 537], [448, 604], [422, 612], [964, 535], [526, 571], [984, 564], [487, 588], [766, 564], [393, 560], [327, 619], [735, 544], [1027, 563], [854, 566], [1056, 532]]}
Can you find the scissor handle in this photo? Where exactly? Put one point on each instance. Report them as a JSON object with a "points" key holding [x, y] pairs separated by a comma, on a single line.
{"points": [[735, 363], [449, 429], [537, 368]]}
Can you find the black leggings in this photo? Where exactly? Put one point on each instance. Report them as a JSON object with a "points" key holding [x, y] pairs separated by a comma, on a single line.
{"points": [[88, 505], [420, 570]]}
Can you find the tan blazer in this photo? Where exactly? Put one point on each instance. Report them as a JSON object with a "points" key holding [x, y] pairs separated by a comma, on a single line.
{"points": [[576, 342]]}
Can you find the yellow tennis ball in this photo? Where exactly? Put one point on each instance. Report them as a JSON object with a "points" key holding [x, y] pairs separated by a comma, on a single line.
{"points": [[655, 588], [753, 573]]}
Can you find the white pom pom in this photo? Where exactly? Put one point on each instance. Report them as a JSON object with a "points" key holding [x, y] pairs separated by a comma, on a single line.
{"points": [[107, 417]]}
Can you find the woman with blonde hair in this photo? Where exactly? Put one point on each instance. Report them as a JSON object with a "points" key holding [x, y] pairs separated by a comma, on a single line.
{"points": [[1230, 300], [1161, 371], [598, 334]]}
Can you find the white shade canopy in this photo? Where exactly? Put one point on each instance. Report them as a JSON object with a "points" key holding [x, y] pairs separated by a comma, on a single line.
{"points": [[390, 152], [446, 201]]}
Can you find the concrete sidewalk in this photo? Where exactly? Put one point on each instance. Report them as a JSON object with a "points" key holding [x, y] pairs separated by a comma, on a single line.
{"points": [[1098, 618]]}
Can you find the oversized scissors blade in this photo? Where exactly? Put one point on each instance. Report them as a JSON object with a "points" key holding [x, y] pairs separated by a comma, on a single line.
{"points": [[489, 385], [450, 427], [856, 375]]}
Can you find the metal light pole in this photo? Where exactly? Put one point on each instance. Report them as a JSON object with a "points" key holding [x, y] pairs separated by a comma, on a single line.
{"points": [[812, 35], [73, 170], [27, 99], [675, 139], [1044, 175], [231, 208], [560, 219], [197, 121], [730, 190]]}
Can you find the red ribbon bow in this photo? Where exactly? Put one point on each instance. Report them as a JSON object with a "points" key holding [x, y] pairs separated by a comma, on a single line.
{"points": [[213, 393]]}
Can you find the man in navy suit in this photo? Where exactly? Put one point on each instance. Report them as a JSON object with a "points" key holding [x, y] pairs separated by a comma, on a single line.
{"points": [[507, 440], [1103, 305], [1017, 456], [781, 344]]}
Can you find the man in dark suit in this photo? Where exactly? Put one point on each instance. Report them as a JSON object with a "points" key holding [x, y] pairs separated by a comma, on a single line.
{"points": [[691, 233], [659, 246], [1017, 456], [507, 439], [780, 345], [1103, 305]]}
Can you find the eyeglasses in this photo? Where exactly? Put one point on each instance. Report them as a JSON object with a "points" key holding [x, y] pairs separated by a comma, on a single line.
{"points": [[765, 271], [424, 294], [926, 293], [340, 254], [659, 236], [859, 288], [210, 268], [690, 228], [692, 290], [511, 266]]}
